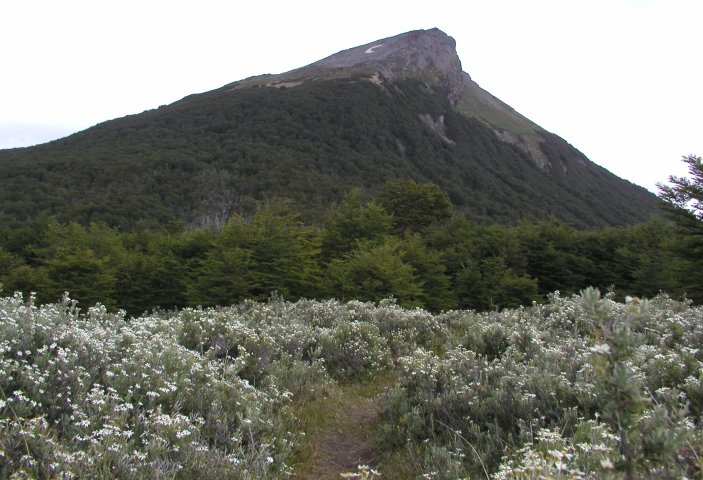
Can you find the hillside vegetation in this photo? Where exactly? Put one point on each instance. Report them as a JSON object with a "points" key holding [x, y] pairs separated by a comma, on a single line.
{"points": [[405, 243], [208, 156], [580, 387]]}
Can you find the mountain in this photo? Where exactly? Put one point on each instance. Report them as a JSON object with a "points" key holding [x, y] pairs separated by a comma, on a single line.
{"points": [[397, 108]]}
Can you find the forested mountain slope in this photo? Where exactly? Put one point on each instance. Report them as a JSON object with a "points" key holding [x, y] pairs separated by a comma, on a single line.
{"points": [[400, 108]]}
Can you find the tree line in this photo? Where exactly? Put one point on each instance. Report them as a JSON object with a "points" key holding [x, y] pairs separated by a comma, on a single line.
{"points": [[406, 243]]}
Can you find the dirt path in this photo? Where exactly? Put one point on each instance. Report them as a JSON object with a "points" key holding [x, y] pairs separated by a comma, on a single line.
{"points": [[341, 433]]}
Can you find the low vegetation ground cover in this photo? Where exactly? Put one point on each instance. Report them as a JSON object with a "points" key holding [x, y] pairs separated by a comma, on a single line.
{"points": [[579, 387]]}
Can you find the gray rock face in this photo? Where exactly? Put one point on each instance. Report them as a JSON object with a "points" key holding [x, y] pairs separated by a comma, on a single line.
{"points": [[427, 55]]}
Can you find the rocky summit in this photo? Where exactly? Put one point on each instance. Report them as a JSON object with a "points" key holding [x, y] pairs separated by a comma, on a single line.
{"points": [[396, 108], [427, 55]]}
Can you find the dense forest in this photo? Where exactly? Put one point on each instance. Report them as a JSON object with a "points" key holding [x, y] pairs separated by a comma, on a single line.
{"points": [[406, 242], [208, 156]]}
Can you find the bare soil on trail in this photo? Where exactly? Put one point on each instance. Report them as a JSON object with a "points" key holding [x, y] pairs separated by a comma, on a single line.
{"points": [[348, 442], [343, 439]]}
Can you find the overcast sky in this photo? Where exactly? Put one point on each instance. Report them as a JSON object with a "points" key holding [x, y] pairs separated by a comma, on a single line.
{"points": [[618, 79]]}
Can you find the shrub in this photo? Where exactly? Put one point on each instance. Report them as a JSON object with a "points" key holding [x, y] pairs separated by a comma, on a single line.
{"points": [[581, 387], [629, 373]]}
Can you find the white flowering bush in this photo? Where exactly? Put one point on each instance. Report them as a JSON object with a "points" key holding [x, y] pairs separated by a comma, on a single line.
{"points": [[631, 371], [403, 329], [579, 387], [96, 395], [584, 455], [201, 392]]}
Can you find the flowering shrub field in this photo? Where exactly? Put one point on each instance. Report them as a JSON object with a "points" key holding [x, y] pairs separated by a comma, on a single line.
{"points": [[579, 387]]}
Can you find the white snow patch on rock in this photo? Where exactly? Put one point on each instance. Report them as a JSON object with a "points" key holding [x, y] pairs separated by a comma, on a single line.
{"points": [[371, 50]]}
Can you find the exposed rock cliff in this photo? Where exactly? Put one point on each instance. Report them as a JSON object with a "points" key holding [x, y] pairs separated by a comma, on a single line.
{"points": [[427, 55]]}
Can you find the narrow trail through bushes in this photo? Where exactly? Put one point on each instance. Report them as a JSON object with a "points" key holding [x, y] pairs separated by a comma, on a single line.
{"points": [[339, 431]]}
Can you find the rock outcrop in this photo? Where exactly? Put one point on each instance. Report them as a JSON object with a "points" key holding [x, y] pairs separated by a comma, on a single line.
{"points": [[427, 55]]}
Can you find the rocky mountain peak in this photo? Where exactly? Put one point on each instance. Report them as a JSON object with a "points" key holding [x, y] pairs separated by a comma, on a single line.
{"points": [[427, 55]]}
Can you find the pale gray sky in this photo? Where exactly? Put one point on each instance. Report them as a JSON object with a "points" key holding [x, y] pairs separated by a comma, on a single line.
{"points": [[618, 79]]}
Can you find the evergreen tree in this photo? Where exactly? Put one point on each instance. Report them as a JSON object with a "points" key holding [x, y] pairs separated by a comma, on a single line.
{"points": [[430, 273], [83, 261], [491, 284], [374, 272], [684, 204], [685, 195], [414, 206], [353, 221], [273, 252], [152, 274], [552, 256], [16, 275]]}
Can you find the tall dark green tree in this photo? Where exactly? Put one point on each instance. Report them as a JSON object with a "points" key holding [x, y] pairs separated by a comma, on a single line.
{"points": [[684, 204], [650, 244], [685, 195], [552, 256], [374, 272], [251, 259], [153, 274], [486, 264], [430, 273], [414, 206], [84, 261], [490, 284], [354, 220], [16, 275]]}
